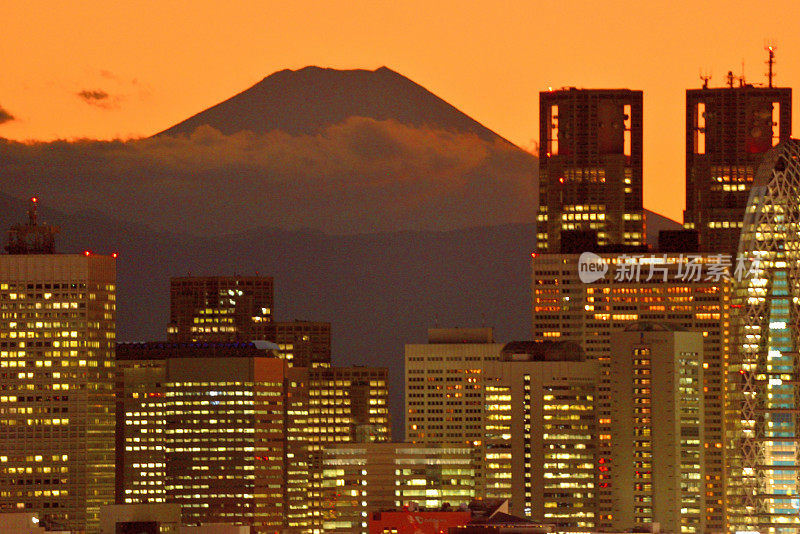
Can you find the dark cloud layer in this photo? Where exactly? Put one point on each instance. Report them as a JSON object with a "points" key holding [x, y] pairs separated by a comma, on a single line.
{"points": [[5, 116], [358, 176]]}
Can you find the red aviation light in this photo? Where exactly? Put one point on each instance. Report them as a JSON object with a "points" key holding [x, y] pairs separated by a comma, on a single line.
{"points": [[34, 199], [87, 252], [114, 255]]}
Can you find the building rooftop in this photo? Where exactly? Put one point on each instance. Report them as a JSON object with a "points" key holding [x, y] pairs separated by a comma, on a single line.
{"points": [[162, 350], [542, 351]]}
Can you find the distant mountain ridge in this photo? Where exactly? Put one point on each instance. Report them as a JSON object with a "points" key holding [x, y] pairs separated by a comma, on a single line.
{"points": [[306, 101]]}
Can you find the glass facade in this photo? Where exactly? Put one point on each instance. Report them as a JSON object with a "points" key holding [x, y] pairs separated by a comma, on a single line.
{"points": [[762, 390]]}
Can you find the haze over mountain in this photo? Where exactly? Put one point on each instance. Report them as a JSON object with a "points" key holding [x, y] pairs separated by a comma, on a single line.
{"points": [[340, 151], [308, 100]]}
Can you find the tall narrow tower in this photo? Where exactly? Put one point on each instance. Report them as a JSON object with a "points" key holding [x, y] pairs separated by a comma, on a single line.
{"points": [[763, 391], [728, 129], [590, 166]]}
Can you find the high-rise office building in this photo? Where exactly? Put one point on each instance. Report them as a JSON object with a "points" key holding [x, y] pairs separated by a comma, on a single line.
{"points": [[240, 308], [541, 432], [527, 409], [444, 384], [690, 290], [444, 394], [762, 396], [728, 130], [302, 343], [142, 403], [203, 426], [342, 405], [657, 443], [362, 478], [237, 413], [220, 308], [57, 326], [590, 166]]}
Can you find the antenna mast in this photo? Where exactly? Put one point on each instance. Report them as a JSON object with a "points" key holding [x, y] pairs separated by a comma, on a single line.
{"points": [[770, 63]]}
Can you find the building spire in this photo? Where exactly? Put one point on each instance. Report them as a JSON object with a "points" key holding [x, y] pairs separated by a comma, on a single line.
{"points": [[770, 63]]}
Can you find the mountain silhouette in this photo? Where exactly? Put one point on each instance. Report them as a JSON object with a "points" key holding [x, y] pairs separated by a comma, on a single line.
{"points": [[306, 101]]}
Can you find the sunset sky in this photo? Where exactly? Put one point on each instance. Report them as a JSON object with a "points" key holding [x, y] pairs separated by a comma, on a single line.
{"points": [[129, 69]]}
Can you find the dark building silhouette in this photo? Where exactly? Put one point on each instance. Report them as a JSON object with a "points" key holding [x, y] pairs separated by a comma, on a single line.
{"points": [[728, 129], [240, 308], [32, 238], [220, 308], [590, 166]]}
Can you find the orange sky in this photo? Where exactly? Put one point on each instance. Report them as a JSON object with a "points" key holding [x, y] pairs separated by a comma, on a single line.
{"points": [[162, 61]]}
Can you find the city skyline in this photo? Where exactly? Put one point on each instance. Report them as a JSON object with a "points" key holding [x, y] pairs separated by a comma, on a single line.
{"points": [[217, 328]]}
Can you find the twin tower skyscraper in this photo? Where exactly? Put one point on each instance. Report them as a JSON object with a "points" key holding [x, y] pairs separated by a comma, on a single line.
{"points": [[590, 161]]}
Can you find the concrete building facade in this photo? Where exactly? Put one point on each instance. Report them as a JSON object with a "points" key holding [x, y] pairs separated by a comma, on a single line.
{"points": [[728, 130], [657, 438]]}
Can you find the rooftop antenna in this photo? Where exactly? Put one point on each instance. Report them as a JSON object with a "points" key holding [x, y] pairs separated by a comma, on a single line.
{"points": [[32, 238], [741, 78], [770, 48], [730, 77], [705, 78]]}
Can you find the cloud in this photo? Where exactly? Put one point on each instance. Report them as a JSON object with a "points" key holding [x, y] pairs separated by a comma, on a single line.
{"points": [[98, 98], [359, 176], [5, 116]]}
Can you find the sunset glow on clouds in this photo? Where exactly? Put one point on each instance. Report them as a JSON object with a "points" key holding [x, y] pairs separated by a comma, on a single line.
{"points": [[130, 69]]}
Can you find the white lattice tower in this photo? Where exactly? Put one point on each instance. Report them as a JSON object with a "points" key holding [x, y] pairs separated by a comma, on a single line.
{"points": [[771, 229]]}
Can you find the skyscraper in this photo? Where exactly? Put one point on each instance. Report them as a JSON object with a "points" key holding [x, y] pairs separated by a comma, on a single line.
{"points": [[657, 442], [233, 434], [204, 426], [691, 290], [541, 432], [528, 410], [361, 478], [445, 396], [590, 166], [728, 130], [57, 331], [762, 395], [220, 308], [240, 308]]}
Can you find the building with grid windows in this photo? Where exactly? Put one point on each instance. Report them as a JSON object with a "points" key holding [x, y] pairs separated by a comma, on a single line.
{"points": [[240, 308], [762, 395], [590, 166], [507, 401], [272, 422], [362, 478], [690, 290], [541, 432], [203, 426], [57, 327], [444, 394], [657, 442], [728, 130]]}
